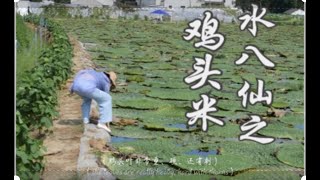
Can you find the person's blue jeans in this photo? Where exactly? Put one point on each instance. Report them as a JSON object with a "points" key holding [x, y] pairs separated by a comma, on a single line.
{"points": [[104, 101]]}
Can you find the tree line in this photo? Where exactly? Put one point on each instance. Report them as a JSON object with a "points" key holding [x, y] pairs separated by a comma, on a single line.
{"points": [[274, 6]]}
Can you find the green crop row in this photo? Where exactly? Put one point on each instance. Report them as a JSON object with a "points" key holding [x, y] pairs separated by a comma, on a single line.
{"points": [[36, 96]]}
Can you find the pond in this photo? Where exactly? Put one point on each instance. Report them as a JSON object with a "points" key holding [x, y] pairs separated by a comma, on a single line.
{"points": [[152, 60]]}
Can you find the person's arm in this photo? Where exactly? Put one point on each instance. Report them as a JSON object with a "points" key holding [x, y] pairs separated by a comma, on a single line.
{"points": [[71, 89], [105, 88], [106, 85]]}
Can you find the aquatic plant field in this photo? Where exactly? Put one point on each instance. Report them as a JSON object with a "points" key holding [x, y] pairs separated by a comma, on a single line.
{"points": [[151, 61]]}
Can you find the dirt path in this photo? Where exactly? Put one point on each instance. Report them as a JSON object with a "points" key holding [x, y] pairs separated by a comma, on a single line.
{"points": [[63, 145]]}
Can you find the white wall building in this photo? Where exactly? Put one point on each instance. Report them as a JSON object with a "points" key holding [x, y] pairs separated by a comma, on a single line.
{"points": [[230, 3], [34, 7], [146, 3], [93, 3], [47, 2], [184, 3], [107, 2], [298, 12]]}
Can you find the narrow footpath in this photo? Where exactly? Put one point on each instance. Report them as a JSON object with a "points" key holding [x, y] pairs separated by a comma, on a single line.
{"points": [[63, 144]]}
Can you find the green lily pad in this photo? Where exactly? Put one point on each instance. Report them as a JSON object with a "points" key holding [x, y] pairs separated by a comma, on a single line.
{"points": [[227, 131], [258, 108], [118, 52], [225, 164], [168, 127], [293, 119], [144, 60], [135, 78], [134, 72], [224, 114], [137, 88], [289, 85], [237, 79], [165, 115], [282, 130], [232, 116], [159, 127], [130, 113], [292, 154], [128, 95], [139, 132], [179, 175], [162, 148], [263, 174], [100, 57], [162, 83], [280, 105], [174, 75], [286, 74], [183, 94], [297, 109], [159, 66], [229, 105], [295, 98], [222, 95], [258, 154], [140, 104]]}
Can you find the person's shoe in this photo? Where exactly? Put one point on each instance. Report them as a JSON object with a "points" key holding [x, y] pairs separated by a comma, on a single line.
{"points": [[86, 121], [103, 126]]}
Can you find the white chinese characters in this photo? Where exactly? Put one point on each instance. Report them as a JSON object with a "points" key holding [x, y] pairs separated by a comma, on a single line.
{"points": [[202, 113], [264, 61], [206, 31], [202, 68], [254, 19], [253, 126], [254, 98]]}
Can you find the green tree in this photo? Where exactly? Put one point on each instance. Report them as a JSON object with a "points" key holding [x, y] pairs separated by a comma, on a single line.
{"points": [[274, 6], [126, 5], [22, 33], [246, 4], [63, 1]]}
